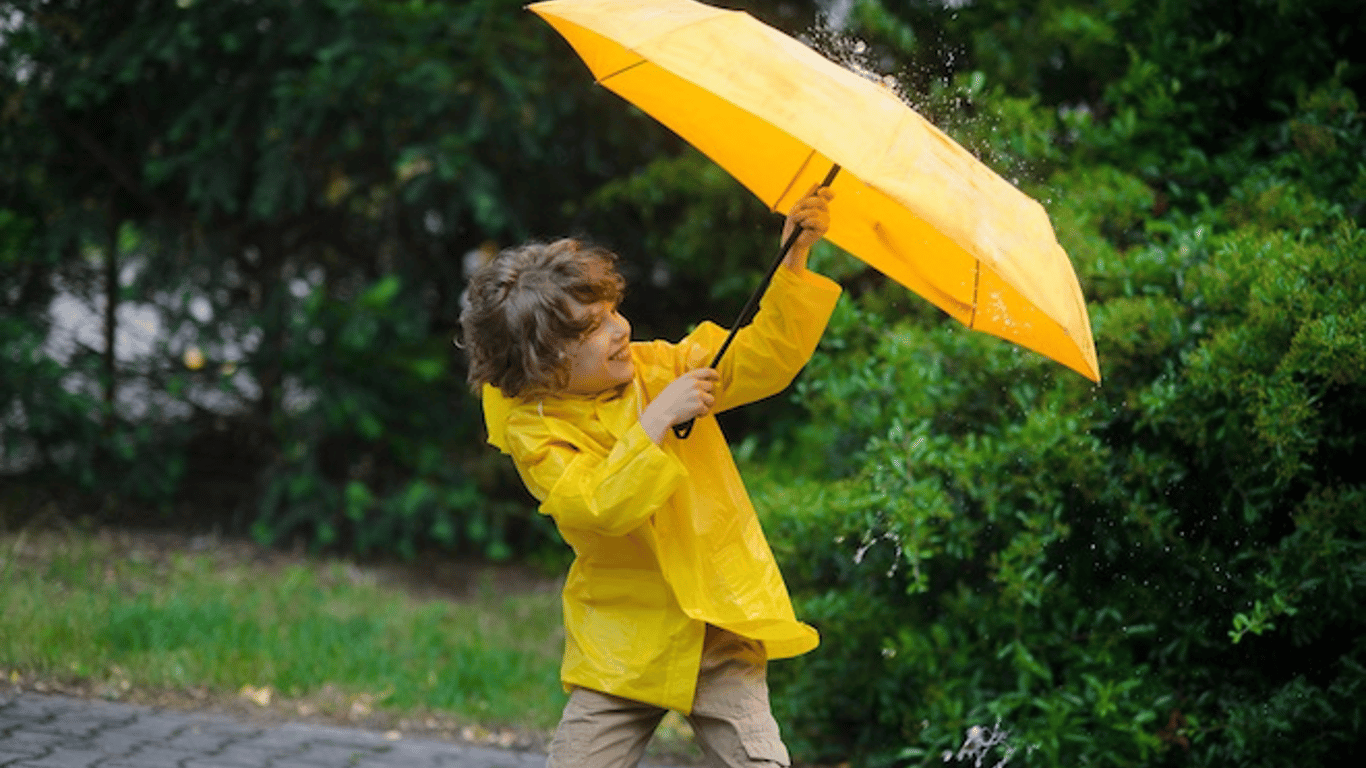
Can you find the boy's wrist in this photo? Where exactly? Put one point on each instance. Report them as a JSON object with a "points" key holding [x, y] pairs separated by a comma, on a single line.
{"points": [[655, 425], [796, 258]]}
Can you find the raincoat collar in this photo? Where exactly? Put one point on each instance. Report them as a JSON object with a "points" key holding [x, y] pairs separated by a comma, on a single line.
{"points": [[496, 410], [498, 406]]}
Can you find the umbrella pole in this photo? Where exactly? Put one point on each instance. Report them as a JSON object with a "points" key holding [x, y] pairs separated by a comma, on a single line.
{"points": [[684, 429]]}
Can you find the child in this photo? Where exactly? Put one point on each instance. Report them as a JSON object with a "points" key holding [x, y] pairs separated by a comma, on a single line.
{"points": [[674, 600]]}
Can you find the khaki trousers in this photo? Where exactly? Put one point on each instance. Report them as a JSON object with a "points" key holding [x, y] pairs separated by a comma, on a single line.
{"points": [[730, 718]]}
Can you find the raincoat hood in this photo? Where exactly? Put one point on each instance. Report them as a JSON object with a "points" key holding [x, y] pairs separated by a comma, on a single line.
{"points": [[496, 409]]}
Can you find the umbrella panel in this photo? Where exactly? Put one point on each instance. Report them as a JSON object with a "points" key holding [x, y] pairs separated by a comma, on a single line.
{"points": [[779, 170], [870, 223], [913, 160]]}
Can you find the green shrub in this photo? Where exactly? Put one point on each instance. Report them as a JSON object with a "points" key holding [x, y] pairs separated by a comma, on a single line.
{"points": [[371, 446], [1166, 569], [53, 427]]}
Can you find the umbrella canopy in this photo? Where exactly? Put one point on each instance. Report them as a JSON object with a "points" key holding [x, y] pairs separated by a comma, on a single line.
{"points": [[911, 202]]}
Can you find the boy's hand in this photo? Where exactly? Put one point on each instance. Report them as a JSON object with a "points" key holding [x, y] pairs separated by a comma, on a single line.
{"points": [[812, 214], [687, 397]]}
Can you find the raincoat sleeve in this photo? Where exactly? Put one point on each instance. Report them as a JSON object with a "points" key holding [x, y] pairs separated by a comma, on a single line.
{"points": [[581, 488], [768, 353]]}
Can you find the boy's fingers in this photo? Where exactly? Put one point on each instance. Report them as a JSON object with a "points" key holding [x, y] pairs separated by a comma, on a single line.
{"points": [[815, 197], [813, 206], [814, 220], [819, 193]]}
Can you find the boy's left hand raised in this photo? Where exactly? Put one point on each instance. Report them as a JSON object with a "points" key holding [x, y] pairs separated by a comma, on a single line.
{"points": [[812, 214]]}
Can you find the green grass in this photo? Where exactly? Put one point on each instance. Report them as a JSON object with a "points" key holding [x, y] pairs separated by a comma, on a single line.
{"points": [[74, 608]]}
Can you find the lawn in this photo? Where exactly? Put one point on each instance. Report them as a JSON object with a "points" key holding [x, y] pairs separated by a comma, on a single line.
{"points": [[231, 625]]}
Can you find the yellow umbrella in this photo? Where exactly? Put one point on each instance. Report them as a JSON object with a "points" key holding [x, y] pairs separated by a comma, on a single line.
{"points": [[777, 116]]}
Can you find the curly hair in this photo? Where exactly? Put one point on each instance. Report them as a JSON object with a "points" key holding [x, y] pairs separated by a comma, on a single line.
{"points": [[520, 312]]}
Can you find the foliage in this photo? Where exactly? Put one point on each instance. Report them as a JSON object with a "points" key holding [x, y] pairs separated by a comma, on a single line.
{"points": [[1116, 575], [673, 207], [1167, 88], [250, 148], [54, 417], [1161, 570], [359, 465]]}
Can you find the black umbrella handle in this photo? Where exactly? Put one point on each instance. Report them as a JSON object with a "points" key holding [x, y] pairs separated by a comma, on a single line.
{"points": [[683, 429]]}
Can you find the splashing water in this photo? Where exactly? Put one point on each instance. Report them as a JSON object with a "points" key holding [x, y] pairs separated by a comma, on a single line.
{"points": [[978, 744], [829, 38], [835, 13], [951, 110], [869, 540]]}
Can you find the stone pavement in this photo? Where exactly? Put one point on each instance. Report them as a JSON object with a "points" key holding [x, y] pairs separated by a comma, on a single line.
{"points": [[48, 731]]}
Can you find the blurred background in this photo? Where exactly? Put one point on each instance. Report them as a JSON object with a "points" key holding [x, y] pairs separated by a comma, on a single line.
{"points": [[234, 236]]}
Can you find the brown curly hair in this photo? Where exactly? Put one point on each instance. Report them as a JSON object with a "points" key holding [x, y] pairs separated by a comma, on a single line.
{"points": [[519, 313]]}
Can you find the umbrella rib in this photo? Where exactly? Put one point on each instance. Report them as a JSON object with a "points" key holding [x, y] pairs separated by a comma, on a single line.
{"points": [[639, 43], [886, 239], [605, 78]]}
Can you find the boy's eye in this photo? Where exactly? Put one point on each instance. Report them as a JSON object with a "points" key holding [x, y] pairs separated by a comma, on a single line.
{"points": [[598, 317], [593, 326]]}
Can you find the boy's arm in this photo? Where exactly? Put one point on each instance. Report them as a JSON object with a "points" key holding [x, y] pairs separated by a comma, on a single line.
{"points": [[612, 494], [769, 352]]}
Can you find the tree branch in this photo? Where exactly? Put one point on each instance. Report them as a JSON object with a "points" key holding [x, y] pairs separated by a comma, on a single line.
{"points": [[121, 175]]}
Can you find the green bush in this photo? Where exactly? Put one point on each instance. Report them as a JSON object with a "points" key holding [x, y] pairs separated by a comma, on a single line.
{"points": [[1166, 569], [373, 446], [53, 427]]}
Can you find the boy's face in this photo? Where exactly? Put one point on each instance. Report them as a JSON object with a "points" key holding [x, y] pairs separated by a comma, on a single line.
{"points": [[601, 360]]}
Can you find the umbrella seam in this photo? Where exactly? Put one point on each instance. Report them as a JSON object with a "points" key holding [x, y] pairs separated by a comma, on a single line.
{"points": [[793, 179], [976, 283], [643, 61], [641, 44]]}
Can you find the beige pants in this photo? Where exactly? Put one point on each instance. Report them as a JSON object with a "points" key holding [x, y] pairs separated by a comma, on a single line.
{"points": [[730, 717]]}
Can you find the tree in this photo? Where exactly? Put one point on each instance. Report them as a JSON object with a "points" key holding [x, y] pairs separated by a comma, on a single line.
{"points": [[263, 157]]}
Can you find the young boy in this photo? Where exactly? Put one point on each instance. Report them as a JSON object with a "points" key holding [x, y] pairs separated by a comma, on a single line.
{"points": [[674, 600]]}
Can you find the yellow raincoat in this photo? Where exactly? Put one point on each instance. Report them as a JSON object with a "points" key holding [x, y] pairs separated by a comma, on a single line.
{"points": [[665, 538]]}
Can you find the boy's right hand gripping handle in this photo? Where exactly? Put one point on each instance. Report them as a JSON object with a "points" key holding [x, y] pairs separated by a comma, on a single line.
{"points": [[683, 429]]}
